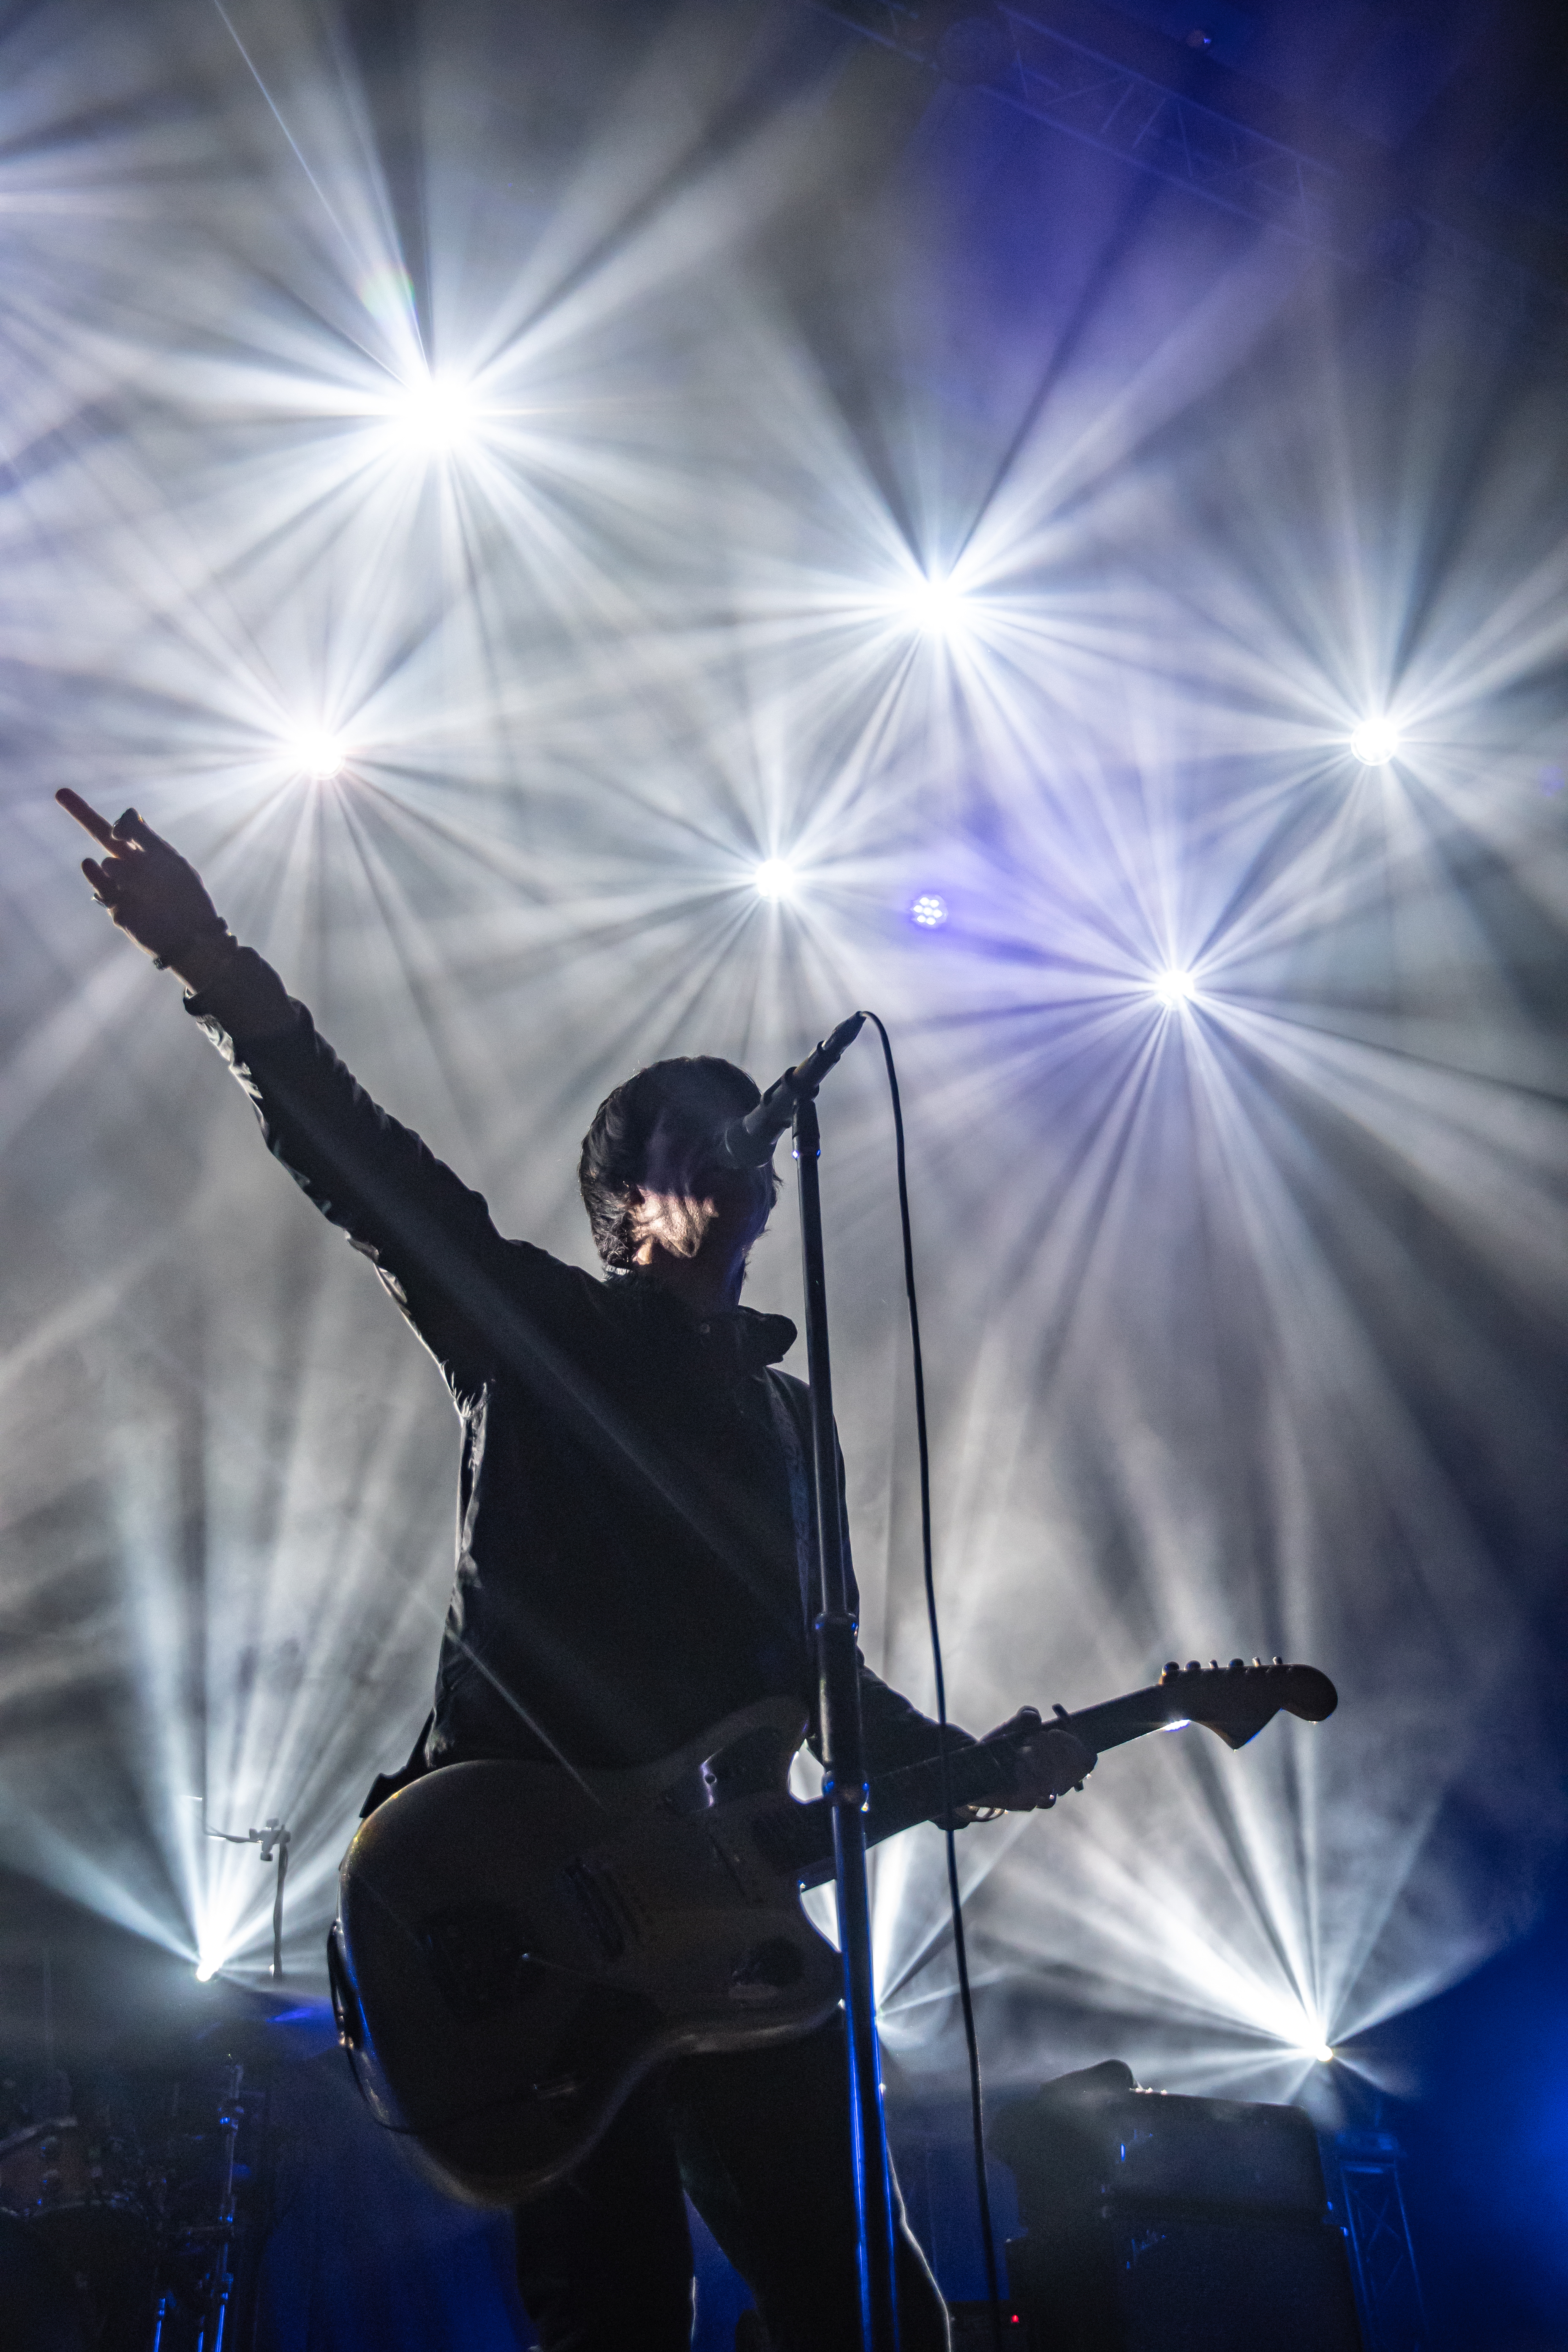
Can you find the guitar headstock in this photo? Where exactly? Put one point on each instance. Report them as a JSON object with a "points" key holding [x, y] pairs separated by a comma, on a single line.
{"points": [[1235, 1701]]}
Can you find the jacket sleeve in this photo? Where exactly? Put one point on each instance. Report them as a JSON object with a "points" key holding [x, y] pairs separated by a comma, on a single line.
{"points": [[428, 1235], [895, 1730]]}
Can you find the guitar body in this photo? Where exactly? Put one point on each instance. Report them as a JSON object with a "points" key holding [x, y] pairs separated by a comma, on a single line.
{"points": [[516, 1948], [517, 1945]]}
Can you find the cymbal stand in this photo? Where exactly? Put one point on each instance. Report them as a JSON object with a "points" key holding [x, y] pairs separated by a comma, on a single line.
{"points": [[221, 2285], [273, 1837]]}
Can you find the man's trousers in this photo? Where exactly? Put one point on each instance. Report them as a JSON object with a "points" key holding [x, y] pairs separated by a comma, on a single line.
{"points": [[759, 2142]]}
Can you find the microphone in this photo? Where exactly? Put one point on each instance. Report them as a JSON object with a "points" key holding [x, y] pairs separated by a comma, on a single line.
{"points": [[749, 1142]]}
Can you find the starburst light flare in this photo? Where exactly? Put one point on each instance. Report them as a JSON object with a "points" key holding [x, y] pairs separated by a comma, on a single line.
{"points": [[434, 417], [1375, 742], [319, 754], [1174, 987], [774, 879]]}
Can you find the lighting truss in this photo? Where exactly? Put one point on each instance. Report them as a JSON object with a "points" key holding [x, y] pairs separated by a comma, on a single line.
{"points": [[1108, 104], [1372, 2213]]}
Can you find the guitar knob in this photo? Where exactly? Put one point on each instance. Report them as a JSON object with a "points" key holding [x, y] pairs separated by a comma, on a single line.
{"points": [[1238, 1666], [1194, 1665], [1171, 1668]]}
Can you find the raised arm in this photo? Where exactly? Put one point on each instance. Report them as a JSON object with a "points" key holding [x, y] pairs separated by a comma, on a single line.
{"points": [[429, 1235]]}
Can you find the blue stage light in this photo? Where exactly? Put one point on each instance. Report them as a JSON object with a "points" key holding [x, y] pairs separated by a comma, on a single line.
{"points": [[929, 912]]}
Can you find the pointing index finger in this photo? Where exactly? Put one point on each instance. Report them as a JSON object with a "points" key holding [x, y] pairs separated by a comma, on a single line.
{"points": [[86, 816]]}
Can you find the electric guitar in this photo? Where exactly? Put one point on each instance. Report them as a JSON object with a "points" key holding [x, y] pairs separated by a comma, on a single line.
{"points": [[518, 1944]]}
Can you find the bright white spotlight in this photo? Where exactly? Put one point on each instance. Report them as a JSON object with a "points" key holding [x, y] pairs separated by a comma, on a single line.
{"points": [[1376, 741], [1321, 2051], [207, 1968], [773, 878], [319, 755], [934, 604], [1173, 988], [433, 415], [927, 912]]}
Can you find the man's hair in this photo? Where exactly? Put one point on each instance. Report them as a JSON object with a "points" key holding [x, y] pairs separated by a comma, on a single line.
{"points": [[699, 1090]]}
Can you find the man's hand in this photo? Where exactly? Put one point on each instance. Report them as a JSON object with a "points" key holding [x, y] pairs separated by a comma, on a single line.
{"points": [[1046, 1765], [151, 893]]}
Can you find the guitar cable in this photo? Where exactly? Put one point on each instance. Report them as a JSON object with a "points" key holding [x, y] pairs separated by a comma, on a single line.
{"points": [[956, 1900]]}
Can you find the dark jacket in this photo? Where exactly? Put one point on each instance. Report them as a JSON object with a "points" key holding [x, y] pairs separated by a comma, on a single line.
{"points": [[632, 1513]]}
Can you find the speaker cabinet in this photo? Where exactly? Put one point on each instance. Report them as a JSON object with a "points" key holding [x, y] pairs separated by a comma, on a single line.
{"points": [[1161, 2224]]}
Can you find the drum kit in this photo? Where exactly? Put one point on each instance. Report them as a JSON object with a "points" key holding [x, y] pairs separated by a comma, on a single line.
{"points": [[127, 2221]]}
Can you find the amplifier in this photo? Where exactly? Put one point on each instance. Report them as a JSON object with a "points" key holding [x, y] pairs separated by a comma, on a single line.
{"points": [[1163, 2225]]}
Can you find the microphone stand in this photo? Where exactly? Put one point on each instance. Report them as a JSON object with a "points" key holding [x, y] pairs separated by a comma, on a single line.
{"points": [[844, 1784]]}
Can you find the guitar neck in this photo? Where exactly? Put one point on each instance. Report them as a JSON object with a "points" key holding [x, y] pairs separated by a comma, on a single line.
{"points": [[978, 1774]]}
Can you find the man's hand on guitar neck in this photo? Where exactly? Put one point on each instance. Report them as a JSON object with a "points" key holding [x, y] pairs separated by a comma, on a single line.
{"points": [[1042, 1762], [1046, 1764], [153, 894]]}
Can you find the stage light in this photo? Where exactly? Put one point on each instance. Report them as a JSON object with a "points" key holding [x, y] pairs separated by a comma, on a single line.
{"points": [[207, 1968], [1322, 2053], [1376, 741], [928, 911], [433, 416], [1173, 988], [773, 878], [934, 603], [319, 755]]}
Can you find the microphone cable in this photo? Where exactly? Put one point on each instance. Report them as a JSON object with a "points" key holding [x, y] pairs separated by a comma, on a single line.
{"points": [[956, 1901]]}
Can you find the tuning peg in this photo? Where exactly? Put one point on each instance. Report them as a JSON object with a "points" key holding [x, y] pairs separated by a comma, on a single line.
{"points": [[1258, 1664], [1214, 1665], [1277, 1662]]}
